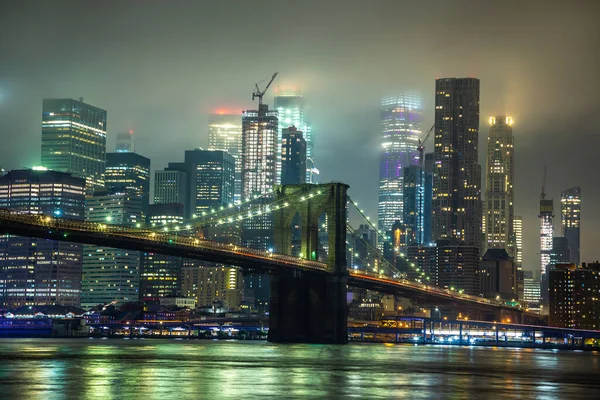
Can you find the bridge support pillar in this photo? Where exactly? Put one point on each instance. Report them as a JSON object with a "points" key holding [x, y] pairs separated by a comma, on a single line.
{"points": [[310, 308]]}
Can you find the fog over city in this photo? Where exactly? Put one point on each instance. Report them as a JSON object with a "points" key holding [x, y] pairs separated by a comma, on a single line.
{"points": [[160, 70]]}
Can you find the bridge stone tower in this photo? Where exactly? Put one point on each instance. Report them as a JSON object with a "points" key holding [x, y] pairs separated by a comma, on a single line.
{"points": [[309, 306]]}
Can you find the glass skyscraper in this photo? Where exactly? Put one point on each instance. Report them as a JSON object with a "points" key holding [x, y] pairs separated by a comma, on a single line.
{"points": [[499, 194], [74, 139], [570, 207], [401, 118], [39, 271], [225, 133], [290, 107], [129, 172], [456, 200]]}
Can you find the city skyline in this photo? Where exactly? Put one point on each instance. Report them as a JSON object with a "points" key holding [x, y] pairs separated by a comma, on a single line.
{"points": [[540, 133]]}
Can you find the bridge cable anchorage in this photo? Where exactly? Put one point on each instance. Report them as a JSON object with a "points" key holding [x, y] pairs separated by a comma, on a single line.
{"points": [[421, 274]]}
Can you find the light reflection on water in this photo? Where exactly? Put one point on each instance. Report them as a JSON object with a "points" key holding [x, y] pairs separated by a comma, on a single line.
{"points": [[164, 369]]}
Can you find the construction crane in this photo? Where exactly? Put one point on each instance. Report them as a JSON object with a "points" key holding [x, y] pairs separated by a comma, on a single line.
{"points": [[543, 195], [421, 147], [258, 93]]}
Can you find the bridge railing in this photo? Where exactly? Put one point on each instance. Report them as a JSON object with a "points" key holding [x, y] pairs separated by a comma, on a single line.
{"points": [[152, 236]]}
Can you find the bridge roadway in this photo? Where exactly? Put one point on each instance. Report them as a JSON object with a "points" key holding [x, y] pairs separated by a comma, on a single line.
{"points": [[175, 244]]}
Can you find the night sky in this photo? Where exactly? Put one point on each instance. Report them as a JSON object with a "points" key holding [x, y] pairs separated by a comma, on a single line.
{"points": [[159, 67]]}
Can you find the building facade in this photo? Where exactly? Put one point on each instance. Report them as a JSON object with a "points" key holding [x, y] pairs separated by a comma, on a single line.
{"points": [[74, 139], [38, 271], [574, 296], [414, 203], [110, 274], [225, 133], [401, 118], [170, 186], [456, 199], [293, 157], [498, 274], [129, 172], [498, 217], [518, 229], [570, 210], [208, 284], [546, 217]]}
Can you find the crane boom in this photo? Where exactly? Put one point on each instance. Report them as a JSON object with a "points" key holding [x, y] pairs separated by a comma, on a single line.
{"points": [[421, 147], [260, 93]]}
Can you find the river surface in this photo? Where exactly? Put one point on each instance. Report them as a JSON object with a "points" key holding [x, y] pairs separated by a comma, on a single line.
{"points": [[195, 369]]}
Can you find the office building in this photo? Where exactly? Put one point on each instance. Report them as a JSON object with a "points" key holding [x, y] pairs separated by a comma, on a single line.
{"points": [[225, 133], [499, 194], [518, 233], [401, 118], [125, 142], [210, 179], [570, 207], [560, 252], [498, 274], [425, 260], [289, 104], [39, 271], [414, 202], [532, 290], [361, 250], [574, 296], [110, 274], [456, 200], [293, 157], [129, 172], [171, 186], [427, 196], [74, 139], [212, 282]]}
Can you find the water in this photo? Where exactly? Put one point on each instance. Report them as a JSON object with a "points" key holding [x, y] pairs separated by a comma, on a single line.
{"points": [[164, 369]]}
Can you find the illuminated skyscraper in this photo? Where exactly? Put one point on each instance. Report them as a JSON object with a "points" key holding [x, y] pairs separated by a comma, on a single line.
{"points": [[290, 107], [570, 207], [401, 118], [499, 194], [518, 229], [170, 186], [74, 139], [129, 172], [259, 147], [456, 196], [546, 231], [111, 274], [39, 271], [225, 133], [210, 179]]}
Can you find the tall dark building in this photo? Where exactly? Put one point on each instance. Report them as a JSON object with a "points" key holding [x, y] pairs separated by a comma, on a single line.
{"points": [[498, 274], [129, 172], [570, 207], [427, 196], [560, 252], [414, 203], [457, 174], [40, 271], [74, 139], [293, 157], [574, 296], [210, 179]]}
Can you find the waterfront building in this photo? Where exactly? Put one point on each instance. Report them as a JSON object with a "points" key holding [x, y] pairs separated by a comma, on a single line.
{"points": [[574, 296], [499, 194], [570, 207], [35, 272], [225, 134], [208, 283], [456, 200], [401, 118], [74, 139], [111, 274]]}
